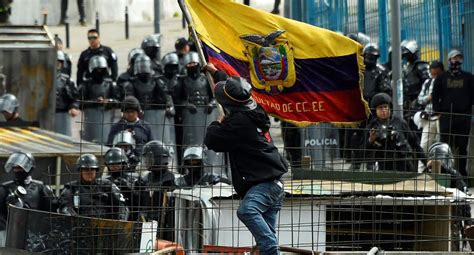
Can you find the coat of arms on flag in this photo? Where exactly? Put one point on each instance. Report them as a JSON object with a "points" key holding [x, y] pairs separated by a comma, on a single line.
{"points": [[271, 61]]}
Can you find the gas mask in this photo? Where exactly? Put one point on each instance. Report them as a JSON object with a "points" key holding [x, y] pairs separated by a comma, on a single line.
{"points": [[143, 77], [370, 61], [98, 75], [20, 176], [193, 71]]}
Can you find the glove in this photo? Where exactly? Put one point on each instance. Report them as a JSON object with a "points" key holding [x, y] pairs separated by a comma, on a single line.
{"points": [[191, 108], [170, 111], [211, 106]]}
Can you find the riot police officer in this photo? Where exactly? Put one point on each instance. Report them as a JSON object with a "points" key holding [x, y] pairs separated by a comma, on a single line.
{"points": [[67, 63], [125, 141], [95, 48], [390, 139], [9, 108], [67, 105], [125, 77], [375, 77], [139, 128], [194, 170], [375, 81], [119, 173], [91, 196], [150, 91], [24, 191], [200, 104], [414, 75], [153, 203], [98, 95], [152, 47]]}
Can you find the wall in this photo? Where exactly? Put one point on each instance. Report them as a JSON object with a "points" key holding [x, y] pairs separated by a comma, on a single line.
{"points": [[27, 11]]}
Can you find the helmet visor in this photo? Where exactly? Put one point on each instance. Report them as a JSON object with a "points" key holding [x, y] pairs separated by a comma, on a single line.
{"points": [[7, 106], [151, 161], [18, 160]]}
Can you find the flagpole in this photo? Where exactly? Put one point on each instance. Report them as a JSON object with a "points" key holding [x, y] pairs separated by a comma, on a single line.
{"points": [[187, 17]]}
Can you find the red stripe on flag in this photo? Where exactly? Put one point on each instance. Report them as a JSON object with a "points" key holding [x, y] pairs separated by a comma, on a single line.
{"points": [[224, 66], [315, 106]]}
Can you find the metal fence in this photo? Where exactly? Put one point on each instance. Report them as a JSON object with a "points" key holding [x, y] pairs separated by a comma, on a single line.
{"points": [[437, 25]]}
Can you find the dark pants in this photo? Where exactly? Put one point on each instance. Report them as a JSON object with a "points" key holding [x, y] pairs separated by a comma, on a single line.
{"points": [[80, 7], [454, 131], [247, 2]]}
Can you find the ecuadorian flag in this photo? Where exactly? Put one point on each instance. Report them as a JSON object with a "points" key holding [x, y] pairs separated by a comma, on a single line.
{"points": [[300, 73]]}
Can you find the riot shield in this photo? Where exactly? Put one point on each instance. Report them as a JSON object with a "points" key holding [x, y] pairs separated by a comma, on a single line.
{"points": [[62, 123], [321, 146], [162, 128], [52, 233], [97, 124], [195, 125]]}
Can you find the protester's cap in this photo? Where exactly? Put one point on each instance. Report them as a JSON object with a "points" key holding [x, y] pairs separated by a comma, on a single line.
{"points": [[131, 103], [453, 53], [436, 64], [180, 43], [235, 93], [380, 99]]}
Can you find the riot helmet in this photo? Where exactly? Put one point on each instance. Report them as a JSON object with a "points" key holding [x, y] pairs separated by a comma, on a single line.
{"points": [[170, 63], [442, 152], [155, 156], [359, 37], [24, 160], [116, 160], [9, 103], [192, 64], [21, 164], [410, 50], [61, 56], [133, 54], [98, 67], [142, 68], [193, 159], [151, 46], [87, 161], [124, 138], [455, 60], [115, 156], [371, 54], [235, 94], [125, 141]]}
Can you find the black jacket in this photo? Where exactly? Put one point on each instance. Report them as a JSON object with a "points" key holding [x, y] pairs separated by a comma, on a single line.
{"points": [[396, 151], [253, 156], [453, 93], [83, 62]]}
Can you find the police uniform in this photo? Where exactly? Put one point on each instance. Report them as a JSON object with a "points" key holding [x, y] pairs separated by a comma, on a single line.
{"points": [[83, 62], [66, 99], [101, 199]]}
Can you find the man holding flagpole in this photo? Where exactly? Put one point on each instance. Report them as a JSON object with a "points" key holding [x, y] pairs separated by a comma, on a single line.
{"points": [[256, 164], [277, 63]]}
